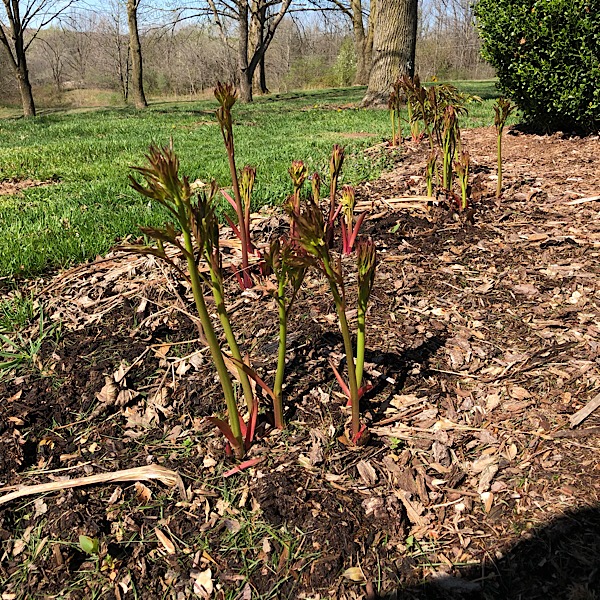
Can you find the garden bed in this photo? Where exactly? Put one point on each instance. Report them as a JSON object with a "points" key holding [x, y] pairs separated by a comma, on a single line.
{"points": [[483, 340]]}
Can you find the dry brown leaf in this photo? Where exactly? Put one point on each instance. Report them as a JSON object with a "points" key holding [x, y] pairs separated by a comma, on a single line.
{"points": [[109, 392], [203, 583], [526, 289], [481, 463], [120, 373], [537, 237], [126, 396], [492, 401], [142, 492], [519, 393], [367, 472], [15, 396], [485, 479], [183, 367], [487, 498], [354, 574], [196, 360], [165, 541], [116, 495], [162, 351]]}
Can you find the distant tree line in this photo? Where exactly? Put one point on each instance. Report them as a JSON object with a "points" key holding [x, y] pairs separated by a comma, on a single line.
{"points": [[133, 48]]}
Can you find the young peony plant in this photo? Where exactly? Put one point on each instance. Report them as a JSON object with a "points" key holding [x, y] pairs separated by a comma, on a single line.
{"points": [[197, 240], [283, 260], [310, 226], [349, 228], [241, 183], [502, 110]]}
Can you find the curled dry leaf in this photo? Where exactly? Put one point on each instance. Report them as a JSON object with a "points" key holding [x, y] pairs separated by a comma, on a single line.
{"points": [[183, 368], [367, 472], [485, 479], [196, 360], [142, 492], [488, 500], [203, 583], [41, 508], [109, 392], [355, 574], [168, 545]]}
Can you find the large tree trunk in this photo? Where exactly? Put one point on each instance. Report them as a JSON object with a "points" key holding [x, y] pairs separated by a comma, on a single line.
{"points": [[246, 73], [393, 48], [25, 89], [370, 35], [17, 59], [257, 38], [139, 97]]}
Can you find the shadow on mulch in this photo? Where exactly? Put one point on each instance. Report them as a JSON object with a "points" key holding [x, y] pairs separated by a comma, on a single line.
{"points": [[558, 561]]}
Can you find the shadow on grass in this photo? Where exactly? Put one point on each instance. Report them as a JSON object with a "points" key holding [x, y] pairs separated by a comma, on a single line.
{"points": [[559, 561]]}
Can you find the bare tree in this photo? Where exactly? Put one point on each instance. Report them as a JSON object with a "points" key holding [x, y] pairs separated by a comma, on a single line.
{"points": [[137, 80], [258, 20], [54, 55], [78, 32], [393, 48], [24, 21], [115, 44], [249, 57]]}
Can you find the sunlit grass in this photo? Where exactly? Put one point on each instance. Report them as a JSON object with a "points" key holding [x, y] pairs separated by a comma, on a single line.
{"points": [[89, 154]]}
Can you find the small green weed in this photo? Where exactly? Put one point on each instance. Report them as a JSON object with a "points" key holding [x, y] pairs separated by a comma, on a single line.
{"points": [[15, 312], [18, 352]]}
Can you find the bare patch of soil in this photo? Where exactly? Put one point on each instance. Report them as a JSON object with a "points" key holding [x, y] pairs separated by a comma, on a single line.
{"points": [[354, 135], [483, 344], [12, 187]]}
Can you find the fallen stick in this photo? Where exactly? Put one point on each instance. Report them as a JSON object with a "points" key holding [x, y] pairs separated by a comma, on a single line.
{"points": [[575, 434], [583, 200], [585, 412], [166, 476]]}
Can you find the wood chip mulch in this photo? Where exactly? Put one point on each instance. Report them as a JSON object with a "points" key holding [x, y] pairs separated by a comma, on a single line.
{"points": [[481, 475]]}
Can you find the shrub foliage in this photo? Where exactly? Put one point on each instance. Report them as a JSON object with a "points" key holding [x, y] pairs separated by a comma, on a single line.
{"points": [[547, 58]]}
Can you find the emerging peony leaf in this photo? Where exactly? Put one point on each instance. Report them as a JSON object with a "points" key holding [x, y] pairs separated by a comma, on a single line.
{"points": [[226, 95], [299, 173]]}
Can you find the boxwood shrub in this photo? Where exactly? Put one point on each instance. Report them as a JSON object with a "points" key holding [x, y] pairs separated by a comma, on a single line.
{"points": [[547, 57]]}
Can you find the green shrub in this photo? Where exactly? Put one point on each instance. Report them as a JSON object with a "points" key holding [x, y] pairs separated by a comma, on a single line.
{"points": [[547, 58]]}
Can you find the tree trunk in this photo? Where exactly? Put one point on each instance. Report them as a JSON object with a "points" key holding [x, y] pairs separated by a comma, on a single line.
{"points": [[362, 73], [262, 76], [25, 89], [393, 48], [256, 41], [139, 97], [246, 74], [18, 60], [370, 35]]}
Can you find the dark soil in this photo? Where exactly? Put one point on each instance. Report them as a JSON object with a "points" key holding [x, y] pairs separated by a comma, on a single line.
{"points": [[483, 340]]}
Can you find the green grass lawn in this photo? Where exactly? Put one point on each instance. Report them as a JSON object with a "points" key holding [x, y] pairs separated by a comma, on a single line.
{"points": [[88, 154]]}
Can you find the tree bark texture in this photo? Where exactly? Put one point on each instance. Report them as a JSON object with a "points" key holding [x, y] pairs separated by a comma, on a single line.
{"points": [[139, 97], [246, 74], [25, 89], [393, 48], [258, 20], [360, 44]]}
